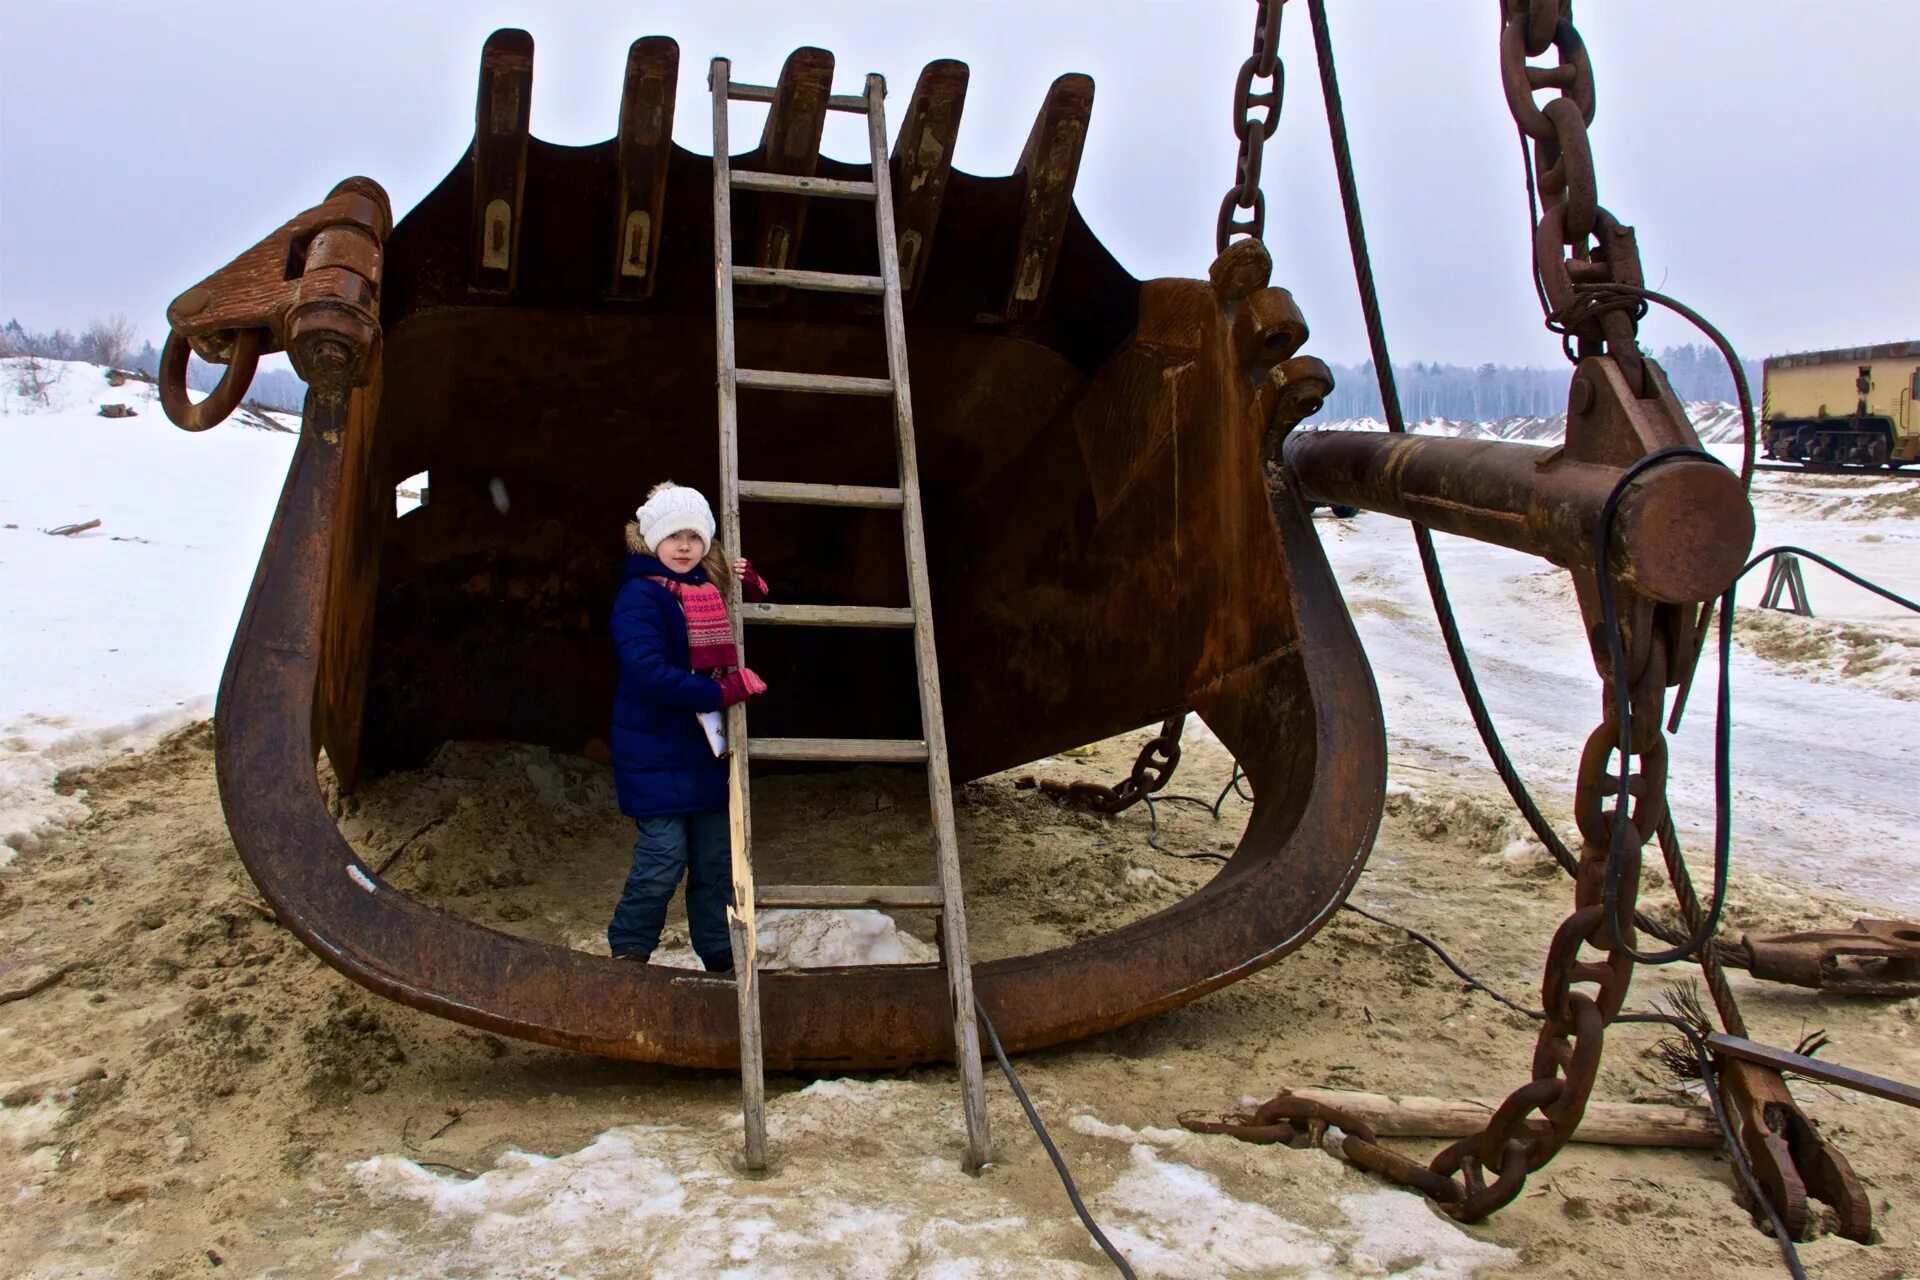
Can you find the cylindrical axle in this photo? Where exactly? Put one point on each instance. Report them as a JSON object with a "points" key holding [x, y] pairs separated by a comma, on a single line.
{"points": [[1681, 533]]}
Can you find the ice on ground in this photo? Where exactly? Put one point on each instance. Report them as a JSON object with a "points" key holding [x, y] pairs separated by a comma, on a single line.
{"points": [[795, 939], [818, 939], [116, 635], [881, 1195]]}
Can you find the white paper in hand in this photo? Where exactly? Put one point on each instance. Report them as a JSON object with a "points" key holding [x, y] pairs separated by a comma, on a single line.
{"points": [[714, 725]]}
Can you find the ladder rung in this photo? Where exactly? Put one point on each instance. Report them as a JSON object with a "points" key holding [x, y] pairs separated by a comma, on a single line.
{"points": [[844, 750], [825, 383], [764, 93], [846, 896], [801, 184], [820, 495], [819, 281], [826, 615]]}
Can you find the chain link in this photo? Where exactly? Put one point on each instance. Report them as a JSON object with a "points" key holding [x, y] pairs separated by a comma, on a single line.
{"points": [[1253, 129], [1578, 246], [1152, 768]]}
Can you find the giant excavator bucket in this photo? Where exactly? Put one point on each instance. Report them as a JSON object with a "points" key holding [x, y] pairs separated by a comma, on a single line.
{"points": [[538, 336]]}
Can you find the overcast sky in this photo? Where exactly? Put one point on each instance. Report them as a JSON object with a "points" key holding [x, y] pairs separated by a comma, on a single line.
{"points": [[1768, 151]]}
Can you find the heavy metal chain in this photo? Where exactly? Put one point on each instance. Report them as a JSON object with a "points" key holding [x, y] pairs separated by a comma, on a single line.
{"points": [[1582, 991], [1151, 770], [1578, 247], [1253, 129]]}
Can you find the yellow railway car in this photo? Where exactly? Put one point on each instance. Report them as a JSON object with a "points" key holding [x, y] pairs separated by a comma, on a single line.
{"points": [[1851, 406]]}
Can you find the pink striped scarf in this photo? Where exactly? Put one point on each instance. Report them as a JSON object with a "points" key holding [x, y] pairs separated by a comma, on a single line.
{"points": [[709, 633]]}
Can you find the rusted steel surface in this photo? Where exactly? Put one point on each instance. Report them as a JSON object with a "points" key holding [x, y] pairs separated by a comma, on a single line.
{"points": [[922, 163], [311, 289], [1874, 958], [503, 110], [645, 144], [790, 144], [1054, 524], [1681, 534], [1049, 164], [1792, 1161]]}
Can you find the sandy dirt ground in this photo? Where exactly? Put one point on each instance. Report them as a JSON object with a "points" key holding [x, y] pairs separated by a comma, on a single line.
{"points": [[188, 1087]]}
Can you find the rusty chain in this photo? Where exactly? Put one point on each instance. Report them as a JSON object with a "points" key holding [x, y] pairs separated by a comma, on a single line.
{"points": [[1579, 249], [1152, 767], [1253, 130], [1582, 255]]}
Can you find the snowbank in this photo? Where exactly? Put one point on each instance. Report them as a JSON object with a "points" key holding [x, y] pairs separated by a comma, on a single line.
{"points": [[116, 635], [663, 1200]]}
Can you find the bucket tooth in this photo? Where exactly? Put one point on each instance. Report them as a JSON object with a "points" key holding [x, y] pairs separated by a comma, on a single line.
{"points": [[500, 133], [790, 144], [645, 145], [1050, 163], [922, 163]]}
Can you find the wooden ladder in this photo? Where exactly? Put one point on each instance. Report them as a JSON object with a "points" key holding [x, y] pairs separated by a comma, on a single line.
{"points": [[944, 896]]}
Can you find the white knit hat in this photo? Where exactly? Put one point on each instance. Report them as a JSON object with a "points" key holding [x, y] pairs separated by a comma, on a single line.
{"points": [[670, 509]]}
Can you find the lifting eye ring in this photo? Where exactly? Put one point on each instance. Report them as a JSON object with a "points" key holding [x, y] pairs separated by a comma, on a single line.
{"points": [[225, 397]]}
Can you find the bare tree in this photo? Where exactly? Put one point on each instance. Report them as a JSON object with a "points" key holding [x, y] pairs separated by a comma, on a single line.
{"points": [[108, 341], [32, 379]]}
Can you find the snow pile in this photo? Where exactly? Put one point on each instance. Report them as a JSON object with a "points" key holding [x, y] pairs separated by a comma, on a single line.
{"points": [[1715, 421], [804, 940], [663, 1200], [116, 635]]}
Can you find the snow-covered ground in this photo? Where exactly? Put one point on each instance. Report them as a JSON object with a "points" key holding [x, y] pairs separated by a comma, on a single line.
{"points": [[1825, 740], [656, 1200], [116, 635], [1713, 421]]}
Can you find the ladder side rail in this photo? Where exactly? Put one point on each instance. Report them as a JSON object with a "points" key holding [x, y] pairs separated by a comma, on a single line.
{"points": [[932, 719], [741, 916]]}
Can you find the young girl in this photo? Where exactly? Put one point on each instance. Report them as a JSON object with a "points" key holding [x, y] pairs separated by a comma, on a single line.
{"points": [[677, 659]]}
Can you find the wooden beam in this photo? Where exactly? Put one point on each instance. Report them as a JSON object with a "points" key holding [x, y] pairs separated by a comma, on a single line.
{"points": [[846, 896], [838, 750], [922, 163], [500, 131], [790, 144], [644, 146], [1049, 164]]}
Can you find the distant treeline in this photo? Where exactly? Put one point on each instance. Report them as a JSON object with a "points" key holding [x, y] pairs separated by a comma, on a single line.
{"points": [[1492, 392], [110, 342], [1487, 393]]}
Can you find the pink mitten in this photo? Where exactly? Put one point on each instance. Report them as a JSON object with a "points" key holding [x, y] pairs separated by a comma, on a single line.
{"points": [[738, 686]]}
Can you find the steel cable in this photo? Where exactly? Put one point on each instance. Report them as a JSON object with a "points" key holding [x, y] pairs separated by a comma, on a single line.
{"points": [[1053, 1153]]}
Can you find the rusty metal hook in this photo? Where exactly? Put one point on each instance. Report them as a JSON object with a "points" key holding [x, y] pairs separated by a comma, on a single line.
{"points": [[224, 398]]}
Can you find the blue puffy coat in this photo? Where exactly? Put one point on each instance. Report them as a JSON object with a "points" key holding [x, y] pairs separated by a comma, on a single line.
{"points": [[661, 761]]}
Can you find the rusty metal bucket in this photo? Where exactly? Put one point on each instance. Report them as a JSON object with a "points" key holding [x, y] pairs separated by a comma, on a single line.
{"points": [[538, 336]]}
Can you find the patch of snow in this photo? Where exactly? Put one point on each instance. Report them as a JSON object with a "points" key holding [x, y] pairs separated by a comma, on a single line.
{"points": [[25, 1127], [1402, 1236], [819, 939], [663, 1200], [117, 635]]}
